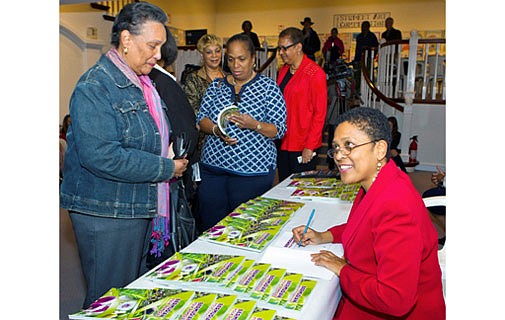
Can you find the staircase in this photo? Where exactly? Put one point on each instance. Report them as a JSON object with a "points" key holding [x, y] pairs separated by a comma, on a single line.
{"points": [[111, 7]]}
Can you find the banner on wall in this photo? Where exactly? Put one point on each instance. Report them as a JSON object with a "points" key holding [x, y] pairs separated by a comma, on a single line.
{"points": [[354, 20]]}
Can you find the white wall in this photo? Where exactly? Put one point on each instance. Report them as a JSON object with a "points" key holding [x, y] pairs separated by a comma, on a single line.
{"points": [[428, 124], [77, 52]]}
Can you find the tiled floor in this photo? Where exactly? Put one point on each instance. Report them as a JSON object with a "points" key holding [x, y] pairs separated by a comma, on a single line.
{"points": [[72, 285]]}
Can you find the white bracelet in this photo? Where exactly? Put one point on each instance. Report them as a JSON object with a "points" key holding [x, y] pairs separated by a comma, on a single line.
{"points": [[213, 130]]}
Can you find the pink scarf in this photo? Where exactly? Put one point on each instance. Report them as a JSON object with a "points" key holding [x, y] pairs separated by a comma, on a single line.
{"points": [[161, 224]]}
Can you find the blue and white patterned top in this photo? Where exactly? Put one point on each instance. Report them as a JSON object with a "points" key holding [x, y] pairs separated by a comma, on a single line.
{"points": [[254, 154]]}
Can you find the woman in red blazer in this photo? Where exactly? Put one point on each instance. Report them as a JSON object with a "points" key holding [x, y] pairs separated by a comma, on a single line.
{"points": [[303, 85], [390, 267]]}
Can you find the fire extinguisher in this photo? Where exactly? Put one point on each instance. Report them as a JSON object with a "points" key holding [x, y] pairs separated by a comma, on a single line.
{"points": [[413, 150]]}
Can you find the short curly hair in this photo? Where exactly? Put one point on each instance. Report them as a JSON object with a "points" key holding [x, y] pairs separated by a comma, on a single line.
{"points": [[132, 17], [371, 121], [208, 40]]}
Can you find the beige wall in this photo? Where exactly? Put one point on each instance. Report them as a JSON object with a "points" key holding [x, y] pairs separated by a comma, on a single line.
{"points": [[224, 17]]}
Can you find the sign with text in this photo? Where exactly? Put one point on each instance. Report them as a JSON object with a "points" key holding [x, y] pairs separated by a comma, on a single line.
{"points": [[354, 20]]}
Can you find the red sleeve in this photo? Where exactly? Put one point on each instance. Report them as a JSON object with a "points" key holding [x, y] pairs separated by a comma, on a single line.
{"points": [[336, 231], [398, 250], [318, 101]]}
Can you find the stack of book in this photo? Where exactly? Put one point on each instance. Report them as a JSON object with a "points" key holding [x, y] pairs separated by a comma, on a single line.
{"points": [[253, 224]]}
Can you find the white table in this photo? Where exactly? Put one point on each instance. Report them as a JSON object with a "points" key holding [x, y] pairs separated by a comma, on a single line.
{"points": [[323, 301]]}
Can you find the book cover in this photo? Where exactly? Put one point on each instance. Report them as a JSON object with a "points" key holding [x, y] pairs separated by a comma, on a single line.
{"points": [[263, 314], [222, 118], [252, 225], [116, 303], [196, 267], [251, 277], [220, 307], [286, 288], [268, 283], [299, 297], [241, 310], [198, 306], [238, 273], [168, 307]]}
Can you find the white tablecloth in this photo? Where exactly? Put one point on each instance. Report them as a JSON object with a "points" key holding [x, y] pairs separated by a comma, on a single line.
{"points": [[323, 301]]}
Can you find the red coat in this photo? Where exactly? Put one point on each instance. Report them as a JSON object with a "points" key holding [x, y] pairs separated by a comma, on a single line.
{"points": [[306, 100], [391, 246]]}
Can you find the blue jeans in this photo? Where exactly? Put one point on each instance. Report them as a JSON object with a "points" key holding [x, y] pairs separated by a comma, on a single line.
{"points": [[113, 251], [220, 192]]}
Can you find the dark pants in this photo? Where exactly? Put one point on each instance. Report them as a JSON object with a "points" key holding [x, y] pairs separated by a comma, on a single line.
{"points": [[433, 192], [220, 192], [287, 163], [112, 251]]}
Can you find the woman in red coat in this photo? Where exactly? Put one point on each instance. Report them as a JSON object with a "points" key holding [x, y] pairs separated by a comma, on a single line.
{"points": [[390, 267], [303, 85]]}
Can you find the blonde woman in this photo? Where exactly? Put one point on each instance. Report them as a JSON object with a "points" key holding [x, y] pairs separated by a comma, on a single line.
{"points": [[211, 49]]}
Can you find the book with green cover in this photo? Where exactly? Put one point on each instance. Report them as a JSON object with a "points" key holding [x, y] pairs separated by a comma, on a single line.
{"points": [[268, 283], [252, 225], [220, 307], [168, 307], [195, 267], [285, 289], [299, 297], [241, 310], [263, 314], [198, 306], [251, 277]]}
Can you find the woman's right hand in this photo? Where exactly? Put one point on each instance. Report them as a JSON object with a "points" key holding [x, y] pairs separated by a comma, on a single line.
{"points": [[180, 165], [310, 237]]}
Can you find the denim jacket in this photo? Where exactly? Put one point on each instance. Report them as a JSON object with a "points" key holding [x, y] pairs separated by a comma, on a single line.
{"points": [[112, 163]]}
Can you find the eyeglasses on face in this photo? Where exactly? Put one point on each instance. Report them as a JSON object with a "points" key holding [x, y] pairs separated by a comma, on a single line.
{"points": [[285, 48], [346, 149]]}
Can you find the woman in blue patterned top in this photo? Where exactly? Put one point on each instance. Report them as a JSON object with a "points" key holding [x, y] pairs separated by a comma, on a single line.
{"points": [[241, 165]]}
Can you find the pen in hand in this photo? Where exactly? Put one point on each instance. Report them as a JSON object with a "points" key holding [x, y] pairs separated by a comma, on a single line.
{"points": [[306, 227]]}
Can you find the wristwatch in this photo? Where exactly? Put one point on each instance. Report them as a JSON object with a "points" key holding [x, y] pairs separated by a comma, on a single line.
{"points": [[258, 127]]}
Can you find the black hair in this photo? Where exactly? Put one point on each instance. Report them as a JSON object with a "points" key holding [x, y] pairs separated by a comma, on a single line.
{"points": [[169, 49], [244, 38], [132, 17], [244, 23], [334, 29], [394, 122], [371, 121], [295, 34]]}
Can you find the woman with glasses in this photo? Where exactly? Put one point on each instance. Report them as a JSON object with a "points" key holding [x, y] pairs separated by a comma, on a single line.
{"points": [[390, 266], [118, 162], [239, 165], [303, 84]]}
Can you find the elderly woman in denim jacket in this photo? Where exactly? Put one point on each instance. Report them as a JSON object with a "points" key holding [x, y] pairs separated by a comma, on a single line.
{"points": [[117, 164]]}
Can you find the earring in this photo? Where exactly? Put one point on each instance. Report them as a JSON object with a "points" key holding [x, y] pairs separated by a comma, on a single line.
{"points": [[125, 50], [379, 164]]}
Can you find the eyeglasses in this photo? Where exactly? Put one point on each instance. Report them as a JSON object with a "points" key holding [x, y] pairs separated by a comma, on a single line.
{"points": [[347, 149], [285, 48]]}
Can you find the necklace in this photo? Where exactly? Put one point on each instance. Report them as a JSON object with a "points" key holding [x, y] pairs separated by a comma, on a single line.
{"points": [[218, 72], [240, 85]]}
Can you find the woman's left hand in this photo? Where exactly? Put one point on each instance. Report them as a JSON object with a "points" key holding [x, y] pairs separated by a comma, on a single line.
{"points": [[329, 260], [243, 121]]}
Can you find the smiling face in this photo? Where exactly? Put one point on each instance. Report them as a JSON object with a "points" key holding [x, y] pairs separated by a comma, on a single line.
{"points": [[144, 49], [360, 166], [212, 56], [240, 60]]}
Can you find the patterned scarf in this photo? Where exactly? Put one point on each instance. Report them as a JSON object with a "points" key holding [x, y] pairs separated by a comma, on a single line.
{"points": [[161, 224]]}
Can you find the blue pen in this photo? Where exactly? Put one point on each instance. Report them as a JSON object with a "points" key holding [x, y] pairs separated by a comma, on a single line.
{"points": [[306, 227]]}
